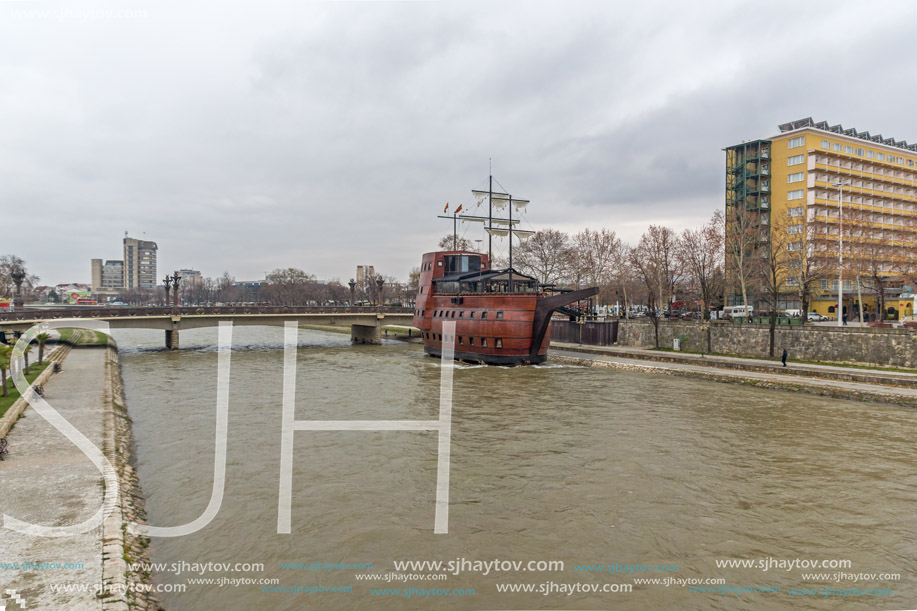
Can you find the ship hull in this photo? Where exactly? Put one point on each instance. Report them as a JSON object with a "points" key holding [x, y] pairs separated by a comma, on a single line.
{"points": [[489, 326], [489, 359]]}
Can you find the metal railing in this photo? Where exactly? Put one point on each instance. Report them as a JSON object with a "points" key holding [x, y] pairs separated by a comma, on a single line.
{"points": [[126, 312]]}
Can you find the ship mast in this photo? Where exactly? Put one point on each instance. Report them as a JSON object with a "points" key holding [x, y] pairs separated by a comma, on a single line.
{"points": [[511, 244], [490, 217]]}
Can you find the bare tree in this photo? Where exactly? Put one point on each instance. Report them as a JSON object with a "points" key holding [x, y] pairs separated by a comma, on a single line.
{"points": [[643, 263], [460, 243], [288, 286], [772, 269], [743, 233], [805, 259], [9, 263], [659, 244], [702, 256], [544, 256], [596, 255]]}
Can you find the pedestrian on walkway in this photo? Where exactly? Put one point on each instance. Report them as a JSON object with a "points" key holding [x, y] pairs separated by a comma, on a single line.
{"points": [[783, 358]]}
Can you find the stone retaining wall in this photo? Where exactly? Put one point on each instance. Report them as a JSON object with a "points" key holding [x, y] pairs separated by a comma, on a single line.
{"points": [[120, 547], [865, 345]]}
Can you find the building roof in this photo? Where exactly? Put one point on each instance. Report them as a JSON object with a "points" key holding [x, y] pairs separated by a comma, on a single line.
{"points": [[850, 133]]}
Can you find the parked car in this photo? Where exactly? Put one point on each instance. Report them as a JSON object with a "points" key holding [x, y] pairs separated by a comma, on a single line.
{"points": [[737, 311], [816, 317]]}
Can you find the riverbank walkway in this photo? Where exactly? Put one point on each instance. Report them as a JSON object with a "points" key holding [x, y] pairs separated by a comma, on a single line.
{"points": [[47, 480], [864, 384]]}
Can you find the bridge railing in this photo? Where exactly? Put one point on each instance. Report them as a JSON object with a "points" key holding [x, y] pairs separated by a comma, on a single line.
{"points": [[119, 311]]}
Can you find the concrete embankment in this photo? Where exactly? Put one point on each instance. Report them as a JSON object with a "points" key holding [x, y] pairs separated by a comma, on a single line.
{"points": [[121, 548], [47, 480], [753, 373]]}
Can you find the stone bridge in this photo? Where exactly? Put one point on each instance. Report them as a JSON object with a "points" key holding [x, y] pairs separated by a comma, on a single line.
{"points": [[365, 322]]}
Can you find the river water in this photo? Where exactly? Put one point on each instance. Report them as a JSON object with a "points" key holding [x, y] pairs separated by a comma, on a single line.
{"points": [[582, 465]]}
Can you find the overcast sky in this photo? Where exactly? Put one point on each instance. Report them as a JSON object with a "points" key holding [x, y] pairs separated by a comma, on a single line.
{"points": [[324, 135]]}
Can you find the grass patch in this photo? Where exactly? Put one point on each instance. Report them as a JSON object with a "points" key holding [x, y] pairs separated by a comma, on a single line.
{"points": [[792, 360], [13, 396], [331, 328], [83, 337]]}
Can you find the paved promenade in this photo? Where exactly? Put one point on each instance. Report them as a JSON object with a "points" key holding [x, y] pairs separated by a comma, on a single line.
{"points": [[46, 480], [863, 384]]}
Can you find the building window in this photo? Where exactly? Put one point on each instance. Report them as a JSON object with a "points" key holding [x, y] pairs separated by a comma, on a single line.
{"points": [[794, 211], [848, 149], [826, 145], [796, 177], [870, 154], [794, 229], [792, 281], [859, 152], [797, 141], [838, 146], [795, 194], [795, 160], [881, 156], [794, 246]]}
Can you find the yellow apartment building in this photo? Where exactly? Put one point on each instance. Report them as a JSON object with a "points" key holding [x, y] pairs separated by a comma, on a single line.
{"points": [[801, 186]]}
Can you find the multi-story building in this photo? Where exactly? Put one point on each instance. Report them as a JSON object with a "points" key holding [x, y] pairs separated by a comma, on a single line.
{"points": [[828, 194], [136, 270], [107, 279], [190, 278], [365, 273], [139, 264]]}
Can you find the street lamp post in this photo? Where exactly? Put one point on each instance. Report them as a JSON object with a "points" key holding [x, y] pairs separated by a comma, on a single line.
{"points": [[353, 286], [379, 282], [168, 284], [18, 276], [175, 280], [840, 252]]}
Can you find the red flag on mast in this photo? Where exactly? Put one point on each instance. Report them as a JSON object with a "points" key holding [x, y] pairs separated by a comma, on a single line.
{"points": [[446, 209], [459, 209]]}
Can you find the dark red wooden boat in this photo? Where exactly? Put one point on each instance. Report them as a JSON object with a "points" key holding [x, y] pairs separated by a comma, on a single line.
{"points": [[492, 324], [502, 317]]}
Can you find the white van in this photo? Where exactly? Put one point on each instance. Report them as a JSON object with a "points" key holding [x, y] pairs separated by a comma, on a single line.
{"points": [[735, 311]]}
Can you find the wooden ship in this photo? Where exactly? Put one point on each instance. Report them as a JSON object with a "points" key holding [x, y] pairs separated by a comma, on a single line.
{"points": [[502, 317]]}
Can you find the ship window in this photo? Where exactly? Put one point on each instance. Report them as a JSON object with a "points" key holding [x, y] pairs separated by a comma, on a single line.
{"points": [[484, 315], [453, 313], [499, 315], [471, 341], [471, 315], [498, 343], [460, 340], [439, 264], [462, 263], [484, 341], [462, 314]]}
